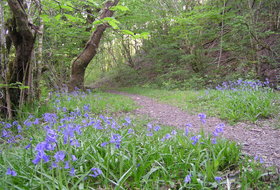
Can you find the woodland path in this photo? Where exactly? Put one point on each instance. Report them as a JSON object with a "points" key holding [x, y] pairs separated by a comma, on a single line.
{"points": [[255, 140]]}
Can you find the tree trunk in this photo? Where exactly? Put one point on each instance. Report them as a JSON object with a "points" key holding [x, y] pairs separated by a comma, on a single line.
{"points": [[5, 102], [80, 64], [23, 40]]}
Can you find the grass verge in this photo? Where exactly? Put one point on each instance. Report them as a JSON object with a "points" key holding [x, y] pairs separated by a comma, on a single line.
{"points": [[231, 105]]}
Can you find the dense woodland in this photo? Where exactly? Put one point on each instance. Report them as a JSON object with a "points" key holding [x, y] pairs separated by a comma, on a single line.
{"points": [[60, 60]]}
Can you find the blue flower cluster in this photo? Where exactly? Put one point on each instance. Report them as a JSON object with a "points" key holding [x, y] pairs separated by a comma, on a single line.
{"points": [[243, 85], [63, 129]]}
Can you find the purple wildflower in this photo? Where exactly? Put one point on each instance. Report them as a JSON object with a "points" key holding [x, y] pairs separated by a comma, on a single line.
{"points": [[75, 142], [186, 131], [188, 178], [40, 156], [5, 133], [218, 179], [27, 146], [87, 107], [19, 128], [214, 141], [72, 172], [67, 166], [104, 144], [149, 134], [54, 165], [150, 126], [219, 129], [174, 132], [128, 120], [59, 156], [195, 139], [36, 121], [130, 131], [74, 158], [11, 172], [96, 172], [259, 159], [202, 117], [157, 128]]}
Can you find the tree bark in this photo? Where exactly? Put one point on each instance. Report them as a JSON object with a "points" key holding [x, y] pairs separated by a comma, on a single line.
{"points": [[80, 64], [23, 40]]}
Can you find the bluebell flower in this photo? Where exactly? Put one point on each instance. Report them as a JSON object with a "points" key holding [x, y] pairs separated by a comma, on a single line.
{"points": [[259, 159], [149, 134], [157, 128], [150, 126], [186, 131], [168, 136], [27, 123], [195, 139], [54, 165], [214, 141], [11, 172], [19, 128], [15, 123], [72, 172], [104, 144], [40, 156], [7, 125], [51, 136], [202, 117], [5, 133], [74, 158], [67, 166], [219, 129], [174, 132], [116, 139], [218, 179], [128, 120], [189, 125], [188, 178], [130, 131], [96, 172], [59, 156], [87, 107], [28, 146], [75, 142]]}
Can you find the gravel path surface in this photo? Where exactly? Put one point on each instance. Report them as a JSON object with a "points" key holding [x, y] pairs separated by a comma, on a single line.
{"points": [[256, 141]]}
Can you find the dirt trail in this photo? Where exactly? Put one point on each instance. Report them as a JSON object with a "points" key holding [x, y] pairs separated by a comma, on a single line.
{"points": [[255, 140]]}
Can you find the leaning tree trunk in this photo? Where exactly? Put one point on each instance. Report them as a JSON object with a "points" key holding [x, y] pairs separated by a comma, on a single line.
{"points": [[80, 64], [23, 40]]}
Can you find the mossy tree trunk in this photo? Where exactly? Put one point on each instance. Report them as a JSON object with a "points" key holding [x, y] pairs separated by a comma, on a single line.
{"points": [[80, 64], [23, 40]]}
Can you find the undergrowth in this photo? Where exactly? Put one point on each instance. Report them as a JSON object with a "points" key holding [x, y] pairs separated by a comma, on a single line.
{"points": [[73, 147]]}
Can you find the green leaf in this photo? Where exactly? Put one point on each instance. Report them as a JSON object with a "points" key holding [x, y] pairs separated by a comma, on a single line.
{"points": [[119, 8], [97, 22], [128, 32], [72, 18], [145, 35], [45, 18], [113, 24], [67, 7], [57, 17]]}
